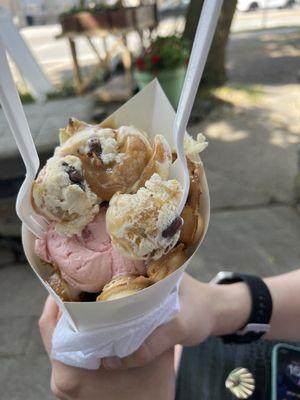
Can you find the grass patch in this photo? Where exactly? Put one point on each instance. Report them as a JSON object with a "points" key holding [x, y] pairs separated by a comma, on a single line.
{"points": [[64, 90], [222, 100], [26, 98], [240, 95]]}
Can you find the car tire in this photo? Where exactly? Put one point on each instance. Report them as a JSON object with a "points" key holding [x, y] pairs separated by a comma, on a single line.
{"points": [[290, 3], [253, 6]]}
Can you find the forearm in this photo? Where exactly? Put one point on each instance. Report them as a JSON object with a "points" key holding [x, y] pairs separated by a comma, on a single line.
{"points": [[285, 321], [153, 381], [232, 307]]}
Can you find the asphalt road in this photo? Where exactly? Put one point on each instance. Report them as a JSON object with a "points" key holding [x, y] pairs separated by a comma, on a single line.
{"points": [[264, 19]]}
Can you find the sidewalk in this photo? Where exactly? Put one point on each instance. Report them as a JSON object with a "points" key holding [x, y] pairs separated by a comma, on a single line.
{"points": [[250, 163]]}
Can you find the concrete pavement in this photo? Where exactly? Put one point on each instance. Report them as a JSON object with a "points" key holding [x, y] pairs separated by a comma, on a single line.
{"points": [[250, 163], [253, 152]]}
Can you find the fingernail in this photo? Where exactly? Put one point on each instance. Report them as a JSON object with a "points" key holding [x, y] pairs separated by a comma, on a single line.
{"points": [[112, 363]]}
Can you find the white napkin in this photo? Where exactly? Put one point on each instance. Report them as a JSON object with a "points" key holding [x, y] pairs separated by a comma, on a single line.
{"points": [[85, 349]]}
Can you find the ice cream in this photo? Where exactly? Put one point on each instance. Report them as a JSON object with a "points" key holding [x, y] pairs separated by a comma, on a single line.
{"points": [[63, 196], [96, 248], [194, 146], [145, 225], [89, 261], [113, 159]]}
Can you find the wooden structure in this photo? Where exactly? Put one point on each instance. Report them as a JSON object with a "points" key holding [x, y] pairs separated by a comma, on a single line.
{"points": [[117, 22]]}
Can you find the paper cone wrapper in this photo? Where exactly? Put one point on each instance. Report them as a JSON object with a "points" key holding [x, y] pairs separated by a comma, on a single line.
{"points": [[151, 111]]}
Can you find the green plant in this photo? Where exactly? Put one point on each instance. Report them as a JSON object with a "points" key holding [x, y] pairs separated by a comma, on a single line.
{"points": [[26, 98], [165, 53], [66, 89]]}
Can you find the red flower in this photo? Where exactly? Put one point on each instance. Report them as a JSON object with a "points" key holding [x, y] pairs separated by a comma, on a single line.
{"points": [[140, 63], [155, 58]]}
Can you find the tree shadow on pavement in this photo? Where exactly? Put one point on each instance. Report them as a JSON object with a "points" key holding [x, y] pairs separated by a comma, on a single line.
{"points": [[267, 57]]}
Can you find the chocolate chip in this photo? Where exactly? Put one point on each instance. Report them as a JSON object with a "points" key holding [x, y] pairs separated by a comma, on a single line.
{"points": [[75, 176], [94, 147], [173, 228]]}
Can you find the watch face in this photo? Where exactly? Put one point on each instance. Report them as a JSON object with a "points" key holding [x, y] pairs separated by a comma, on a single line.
{"points": [[291, 375], [288, 374]]}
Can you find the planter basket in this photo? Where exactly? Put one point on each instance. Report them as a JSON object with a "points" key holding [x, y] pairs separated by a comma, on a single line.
{"points": [[103, 20], [86, 21], [139, 18], [122, 18], [69, 23]]}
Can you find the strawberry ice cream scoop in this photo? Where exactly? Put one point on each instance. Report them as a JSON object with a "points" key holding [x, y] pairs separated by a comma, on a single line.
{"points": [[86, 262]]}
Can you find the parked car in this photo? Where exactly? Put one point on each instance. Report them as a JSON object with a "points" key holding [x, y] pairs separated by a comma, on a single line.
{"points": [[172, 8], [251, 5]]}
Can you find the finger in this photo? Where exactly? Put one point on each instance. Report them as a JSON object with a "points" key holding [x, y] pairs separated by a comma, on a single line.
{"points": [[177, 357], [48, 322], [157, 343]]}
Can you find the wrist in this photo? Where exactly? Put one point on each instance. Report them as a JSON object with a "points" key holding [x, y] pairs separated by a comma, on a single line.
{"points": [[231, 307]]}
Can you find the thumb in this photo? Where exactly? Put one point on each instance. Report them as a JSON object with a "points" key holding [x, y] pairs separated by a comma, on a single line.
{"points": [[48, 321], [163, 338]]}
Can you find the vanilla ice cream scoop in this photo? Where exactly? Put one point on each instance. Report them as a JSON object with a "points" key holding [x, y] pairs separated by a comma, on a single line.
{"points": [[63, 196], [145, 225]]}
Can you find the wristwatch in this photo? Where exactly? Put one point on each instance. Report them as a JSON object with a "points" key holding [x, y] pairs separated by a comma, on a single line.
{"points": [[261, 310]]}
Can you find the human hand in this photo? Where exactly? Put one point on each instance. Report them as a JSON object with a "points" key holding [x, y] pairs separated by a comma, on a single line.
{"points": [[68, 383], [205, 310], [191, 326]]}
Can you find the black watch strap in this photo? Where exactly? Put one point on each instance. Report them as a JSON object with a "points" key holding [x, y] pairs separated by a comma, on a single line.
{"points": [[261, 310]]}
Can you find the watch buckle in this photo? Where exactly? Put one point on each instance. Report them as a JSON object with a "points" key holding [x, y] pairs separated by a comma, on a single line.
{"points": [[255, 328]]}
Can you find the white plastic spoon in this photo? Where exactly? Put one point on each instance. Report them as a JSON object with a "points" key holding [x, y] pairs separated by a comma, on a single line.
{"points": [[202, 42]]}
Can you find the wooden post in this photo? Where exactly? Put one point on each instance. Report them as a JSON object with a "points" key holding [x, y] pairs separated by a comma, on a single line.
{"points": [[127, 62], [76, 68]]}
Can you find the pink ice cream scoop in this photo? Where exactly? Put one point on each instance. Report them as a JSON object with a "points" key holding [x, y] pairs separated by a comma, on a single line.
{"points": [[86, 262]]}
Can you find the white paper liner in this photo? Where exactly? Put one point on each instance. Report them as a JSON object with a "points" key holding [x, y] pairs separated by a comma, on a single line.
{"points": [[86, 349]]}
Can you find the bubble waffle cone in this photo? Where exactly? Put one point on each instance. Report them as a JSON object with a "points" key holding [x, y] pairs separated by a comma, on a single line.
{"points": [[159, 163], [159, 269], [123, 286], [73, 126], [193, 224], [62, 289]]}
